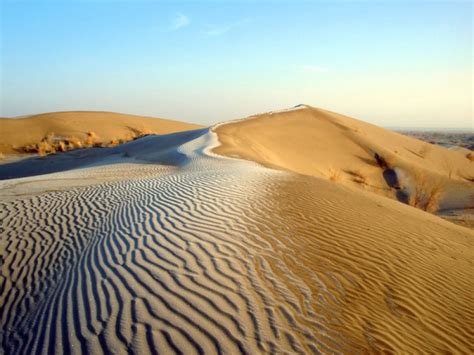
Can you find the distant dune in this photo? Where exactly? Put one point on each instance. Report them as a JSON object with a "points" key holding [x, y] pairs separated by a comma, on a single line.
{"points": [[106, 127], [271, 234]]}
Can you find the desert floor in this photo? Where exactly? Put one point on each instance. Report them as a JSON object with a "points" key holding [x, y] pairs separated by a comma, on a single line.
{"points": [[238, 239]]}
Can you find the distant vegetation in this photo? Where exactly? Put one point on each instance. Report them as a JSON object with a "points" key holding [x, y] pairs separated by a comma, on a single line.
{"points": [[52, 144]]}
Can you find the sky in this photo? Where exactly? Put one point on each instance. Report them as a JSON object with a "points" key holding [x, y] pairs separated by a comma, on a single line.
{"points": [[392, 63]]}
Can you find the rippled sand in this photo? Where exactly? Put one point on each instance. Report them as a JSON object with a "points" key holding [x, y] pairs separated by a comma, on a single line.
{"points": [[219, 255]]}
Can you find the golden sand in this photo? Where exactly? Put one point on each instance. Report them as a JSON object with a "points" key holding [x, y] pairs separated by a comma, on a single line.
{"points": [[161, 245]]}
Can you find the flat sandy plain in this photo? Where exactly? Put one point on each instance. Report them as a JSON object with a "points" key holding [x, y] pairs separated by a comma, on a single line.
{"points": [[285, 232]]}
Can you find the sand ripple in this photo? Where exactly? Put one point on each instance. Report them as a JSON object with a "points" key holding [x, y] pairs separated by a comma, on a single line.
{"points": [[180, 260]]}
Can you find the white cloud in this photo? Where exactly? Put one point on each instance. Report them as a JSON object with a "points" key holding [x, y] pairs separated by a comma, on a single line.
{"points": [[313, 69], [180, 21]]}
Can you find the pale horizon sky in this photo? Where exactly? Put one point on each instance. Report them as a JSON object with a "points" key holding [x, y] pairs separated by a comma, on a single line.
{"points": [[391, 63]]}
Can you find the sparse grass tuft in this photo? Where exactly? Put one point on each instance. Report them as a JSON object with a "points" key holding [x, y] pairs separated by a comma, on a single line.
{"points": [[434, 197], [426, 196]]}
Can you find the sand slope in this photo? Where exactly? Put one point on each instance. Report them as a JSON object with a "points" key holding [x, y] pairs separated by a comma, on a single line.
{"points": [[20, 132], [320, 143], [185, 251]]}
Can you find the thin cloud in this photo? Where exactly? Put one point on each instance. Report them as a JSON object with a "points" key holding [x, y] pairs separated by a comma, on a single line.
{"points": [[223, 29], [313, 69], [180, 21]]}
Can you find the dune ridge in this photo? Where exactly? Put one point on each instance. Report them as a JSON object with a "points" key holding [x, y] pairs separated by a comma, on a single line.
{"points": [[174, 248], [324, 144]]}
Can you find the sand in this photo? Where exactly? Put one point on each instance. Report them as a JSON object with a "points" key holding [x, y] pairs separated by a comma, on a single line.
{"points": [[166, 246], [319, 143], [106, 127]]}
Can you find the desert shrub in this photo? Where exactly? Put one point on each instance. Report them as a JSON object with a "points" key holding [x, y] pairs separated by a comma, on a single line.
{"points": [[426, 196], [434, 197], [74, 142], [61, 146], [90, 139], [470, 157], [44, 148]]}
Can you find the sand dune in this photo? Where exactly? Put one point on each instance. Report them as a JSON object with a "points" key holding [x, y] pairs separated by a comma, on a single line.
{"points": [[18, 133], [161, 245], [320, 143]]}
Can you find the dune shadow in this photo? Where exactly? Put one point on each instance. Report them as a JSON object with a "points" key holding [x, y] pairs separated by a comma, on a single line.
{"points": [[391, 178], [157, 149]]}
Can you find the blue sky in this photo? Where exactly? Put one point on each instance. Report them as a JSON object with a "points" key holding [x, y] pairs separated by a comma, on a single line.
{"points": [[392, 63]]}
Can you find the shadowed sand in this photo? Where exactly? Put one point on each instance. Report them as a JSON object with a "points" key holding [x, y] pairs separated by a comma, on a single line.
{"points": [[166, 247]]}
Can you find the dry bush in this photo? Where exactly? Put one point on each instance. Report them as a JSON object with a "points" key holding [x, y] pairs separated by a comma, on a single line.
{"points": [[49, 138], [74, 142], [470, 156], [426, 196], [90, 139], [51, 144], [434, 197], [44, 148], [334, 175], [61, 146]]}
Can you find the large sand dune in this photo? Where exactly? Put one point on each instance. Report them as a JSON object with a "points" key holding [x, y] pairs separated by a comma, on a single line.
{"points": [[324, 144], [162, 246]]}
